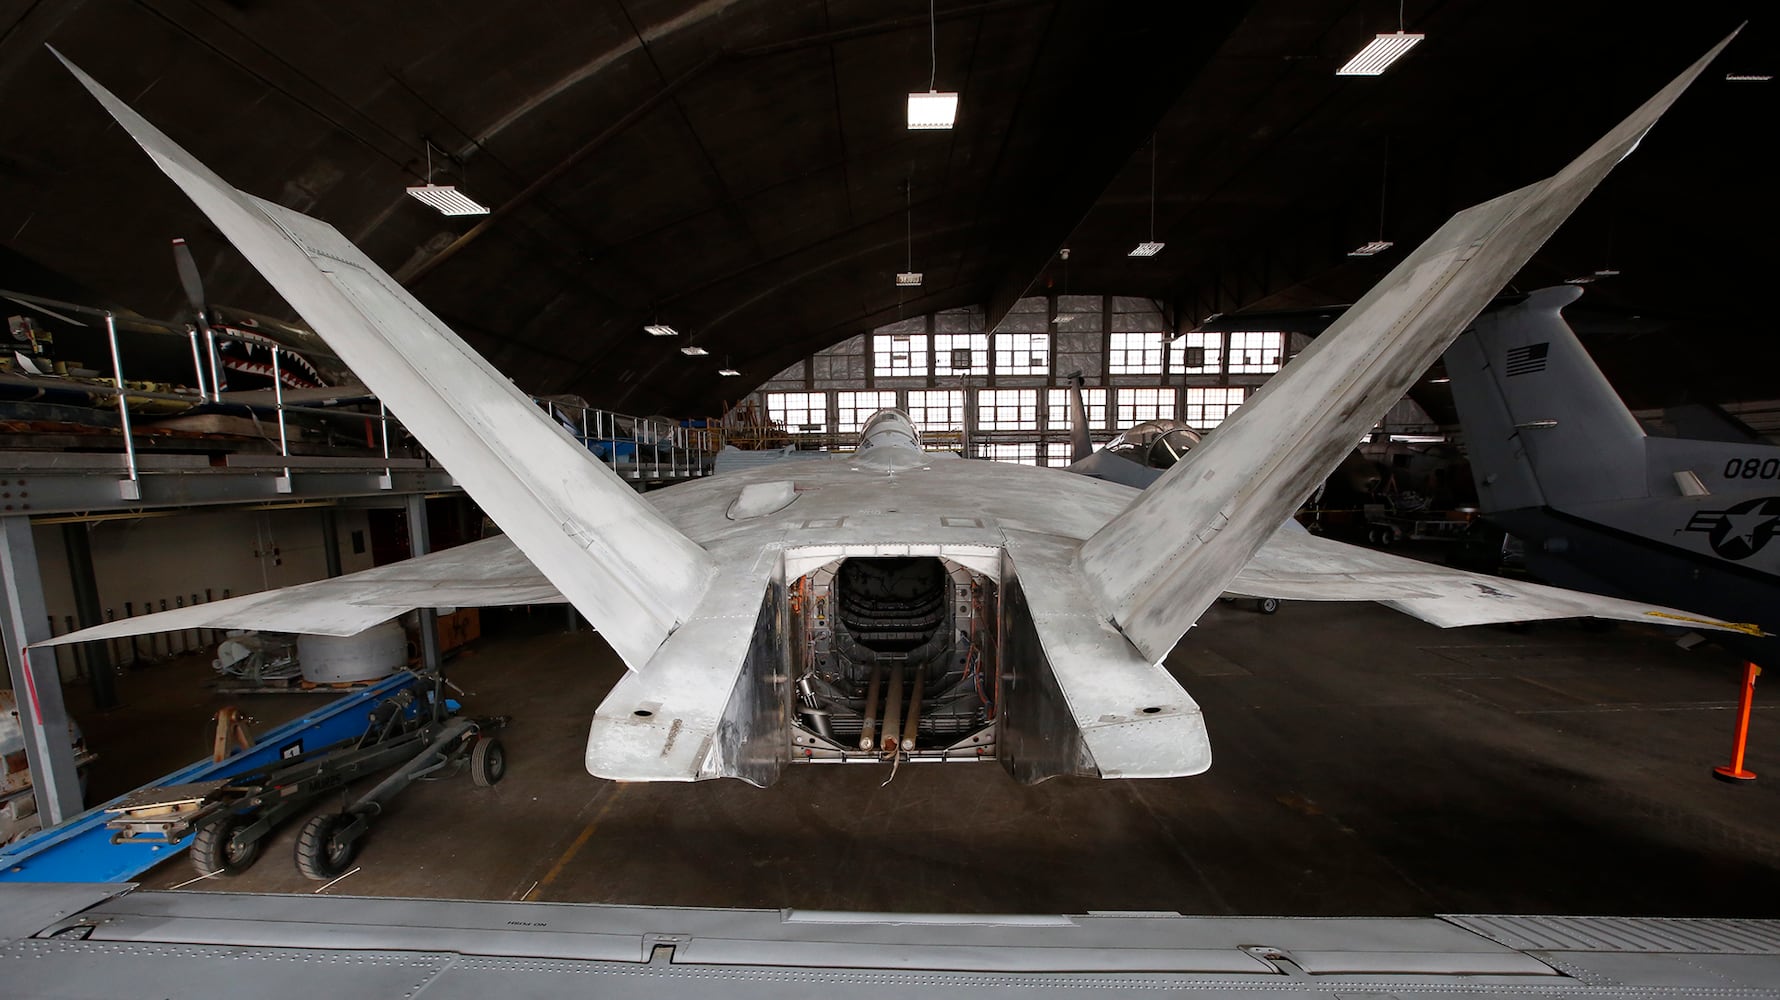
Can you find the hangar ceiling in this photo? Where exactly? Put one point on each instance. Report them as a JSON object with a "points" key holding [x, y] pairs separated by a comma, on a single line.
{"points": [[739, 168]]}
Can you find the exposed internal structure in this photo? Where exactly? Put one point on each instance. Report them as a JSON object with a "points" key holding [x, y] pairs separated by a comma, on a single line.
{"points": [[894, 656]]}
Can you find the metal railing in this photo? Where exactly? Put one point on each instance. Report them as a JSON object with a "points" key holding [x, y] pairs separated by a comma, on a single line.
{"points": [[642, 449], [646, 449]]}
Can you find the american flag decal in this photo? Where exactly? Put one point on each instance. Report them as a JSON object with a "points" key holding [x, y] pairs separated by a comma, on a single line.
{"points": [[1528, 359]]}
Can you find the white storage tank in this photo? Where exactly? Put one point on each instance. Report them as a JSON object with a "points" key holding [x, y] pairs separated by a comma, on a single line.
{"points": [[376, 652]]}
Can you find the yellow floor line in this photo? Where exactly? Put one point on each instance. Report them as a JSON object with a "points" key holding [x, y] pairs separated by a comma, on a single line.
{"points": [[580, 841]]}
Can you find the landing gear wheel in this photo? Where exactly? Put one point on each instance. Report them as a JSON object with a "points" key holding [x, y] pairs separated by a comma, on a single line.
{"points": [[320, 854], [488, 761], [1267, 605], [216, 852]]}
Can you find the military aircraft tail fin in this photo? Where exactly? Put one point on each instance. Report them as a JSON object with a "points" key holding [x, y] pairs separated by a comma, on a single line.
{"points": [[1542, 424], [1080, 445], [1156, 567], [610, 553]]}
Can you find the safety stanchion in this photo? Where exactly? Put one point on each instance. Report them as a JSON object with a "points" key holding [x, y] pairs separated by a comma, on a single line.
{"points": [[1735, 773]]}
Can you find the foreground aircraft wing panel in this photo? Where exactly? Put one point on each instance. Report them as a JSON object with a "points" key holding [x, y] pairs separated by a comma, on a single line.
{"points": [[1160, 564], [1297, 565], [486, 573], [609, 552], [73, 940]]}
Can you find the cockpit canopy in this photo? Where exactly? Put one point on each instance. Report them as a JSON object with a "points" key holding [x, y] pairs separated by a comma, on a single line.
{"points": [[1157, 444], [889, 427]]}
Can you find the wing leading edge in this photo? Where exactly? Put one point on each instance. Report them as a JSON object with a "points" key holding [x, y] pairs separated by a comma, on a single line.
{"points": [[1158, 565], [610, 553], [1296, 565]]}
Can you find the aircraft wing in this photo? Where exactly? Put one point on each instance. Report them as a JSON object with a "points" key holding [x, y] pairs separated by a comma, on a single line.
{"points": [[86, 940], [623, 566], [1157, 567], [1295, 565], [487, 573]]}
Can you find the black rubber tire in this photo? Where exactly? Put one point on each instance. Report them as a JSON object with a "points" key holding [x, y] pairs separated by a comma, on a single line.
{"points": [[318, 856], [215, 853], [488, 761], [1267, 605]]}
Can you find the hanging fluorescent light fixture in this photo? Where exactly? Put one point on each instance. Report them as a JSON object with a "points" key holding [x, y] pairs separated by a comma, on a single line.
{"points": [[910, 278], [935, 109], [1151, 246], [660, 330], [445, 198], [728, 372], [694, 351], [932, 110], [1379, 53], [1748, 77], [1381, 244], [448, 199]]}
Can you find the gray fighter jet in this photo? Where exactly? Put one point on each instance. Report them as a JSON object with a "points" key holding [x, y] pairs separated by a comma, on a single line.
{"points": [[1604, 507], [893, 604]]}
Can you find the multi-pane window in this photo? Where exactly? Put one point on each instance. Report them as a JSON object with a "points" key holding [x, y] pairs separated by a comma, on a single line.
{"points": [[851, 408], [1022, 353], [1022, 452], [1057, 408], [1135, 354], [1008, 410], [1138, 405], [960, 354], [1208, 406], [799, 412], [1256, 352], [898, 354], [1196, 353], [936, 409], [1057, 454]]}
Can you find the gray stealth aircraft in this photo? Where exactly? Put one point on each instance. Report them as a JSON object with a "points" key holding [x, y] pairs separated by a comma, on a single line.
{"points": [[895, 604], [1603, 506]]}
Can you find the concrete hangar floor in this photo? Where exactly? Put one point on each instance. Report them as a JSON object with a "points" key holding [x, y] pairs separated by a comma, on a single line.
{"points": [[1365, 764]]}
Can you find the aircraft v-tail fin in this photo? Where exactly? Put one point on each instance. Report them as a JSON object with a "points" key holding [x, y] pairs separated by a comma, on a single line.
{"points": [[1542, 424], [611, 554], [1157, 567], [1080, 445]]}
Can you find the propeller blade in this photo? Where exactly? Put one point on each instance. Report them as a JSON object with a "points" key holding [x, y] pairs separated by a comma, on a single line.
{"points": [[188, 277]]}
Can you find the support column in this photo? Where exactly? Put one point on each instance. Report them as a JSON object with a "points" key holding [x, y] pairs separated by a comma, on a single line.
{"points": [[35, 681], [330, 541], [75, 538], [419, 544]]}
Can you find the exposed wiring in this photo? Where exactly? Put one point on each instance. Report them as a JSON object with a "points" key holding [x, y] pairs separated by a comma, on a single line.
{"points": [[1152, 187], [933, 46], [1384, 178]]}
